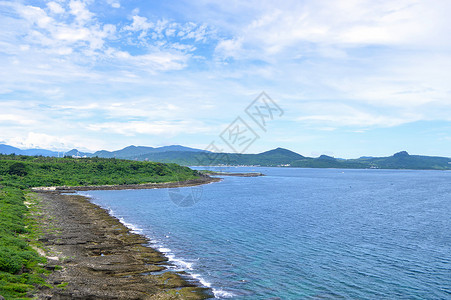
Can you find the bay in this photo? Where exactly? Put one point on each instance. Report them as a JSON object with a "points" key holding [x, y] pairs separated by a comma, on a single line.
{"points": [[303, 233]]}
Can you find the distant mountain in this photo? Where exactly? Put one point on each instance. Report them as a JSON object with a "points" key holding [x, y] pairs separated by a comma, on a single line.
{"points": [[178, 148], [403, 160], [130, 152], [133, 152], [127, 152], [326, 157], [75, 152], [280, 154], [186, 158], [43, 152], [400, 160], [276, 157], [6, 149]]}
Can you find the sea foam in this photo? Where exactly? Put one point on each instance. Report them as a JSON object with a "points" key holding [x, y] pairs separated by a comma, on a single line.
{"points": [[178, 263]]}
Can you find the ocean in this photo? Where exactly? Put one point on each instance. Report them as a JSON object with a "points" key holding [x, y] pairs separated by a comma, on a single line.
{"points": [[302, 233]]}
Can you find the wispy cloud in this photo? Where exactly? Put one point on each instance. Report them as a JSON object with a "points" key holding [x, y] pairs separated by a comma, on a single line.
{"points": [[163, 128]]}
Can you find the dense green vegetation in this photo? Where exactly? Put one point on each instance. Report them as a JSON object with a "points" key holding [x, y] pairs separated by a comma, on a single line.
{"points": [[20, 271], [33, 171], [19, 263]]}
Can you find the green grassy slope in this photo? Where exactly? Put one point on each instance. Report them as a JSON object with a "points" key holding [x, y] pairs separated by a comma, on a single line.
{"points": [[20, 272]]}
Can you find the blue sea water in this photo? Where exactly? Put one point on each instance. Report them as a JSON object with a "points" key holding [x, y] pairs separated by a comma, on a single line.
{"points": [[304, 233]]}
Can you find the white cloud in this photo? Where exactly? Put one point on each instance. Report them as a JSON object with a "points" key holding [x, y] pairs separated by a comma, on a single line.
{"points": [[72, 34], [138, 24], [349, 24], [51, 142], [35, 140], [46, 31], [153, 61], [163, 128], [15, 119], [387, 60], [59, 47], [55, 8], [81, 13], [144, 108], [114, 3], [36, 15], [340, 114], [229, 48], [90, 106], [163, 30], [193, 31]]}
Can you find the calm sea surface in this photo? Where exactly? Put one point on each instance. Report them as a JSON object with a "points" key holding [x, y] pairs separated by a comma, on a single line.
{"points": [[304, 233]]}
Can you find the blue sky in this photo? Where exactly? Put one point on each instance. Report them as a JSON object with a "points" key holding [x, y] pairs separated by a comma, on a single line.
{"points": [[352, 77]]}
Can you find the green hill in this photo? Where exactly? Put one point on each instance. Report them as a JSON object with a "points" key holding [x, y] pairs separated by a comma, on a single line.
{"points": [[33, 171], [274, 157], [402, 160]]}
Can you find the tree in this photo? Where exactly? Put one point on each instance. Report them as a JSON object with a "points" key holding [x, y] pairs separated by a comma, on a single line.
{"points": [[18, 168]]}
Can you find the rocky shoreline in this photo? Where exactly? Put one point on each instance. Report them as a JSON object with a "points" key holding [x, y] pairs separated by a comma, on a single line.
{"points": [[252, 174], [176, 184], [94, 256]]}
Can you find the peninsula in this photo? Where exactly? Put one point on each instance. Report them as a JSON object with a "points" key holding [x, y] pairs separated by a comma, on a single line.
{"points": [[55, 245]]}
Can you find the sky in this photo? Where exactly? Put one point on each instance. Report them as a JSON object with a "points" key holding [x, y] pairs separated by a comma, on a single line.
{"points": [[350, 78]]}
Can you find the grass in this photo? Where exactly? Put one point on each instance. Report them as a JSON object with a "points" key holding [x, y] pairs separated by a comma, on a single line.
{"points": [[62, 285], [20, 264]]}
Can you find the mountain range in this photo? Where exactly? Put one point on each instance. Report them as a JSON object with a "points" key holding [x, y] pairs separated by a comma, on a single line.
{"points": [[276, 157], [129, 152]]}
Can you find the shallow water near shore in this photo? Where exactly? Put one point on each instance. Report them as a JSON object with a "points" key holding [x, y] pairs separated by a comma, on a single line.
{"points": [[304, 233]]}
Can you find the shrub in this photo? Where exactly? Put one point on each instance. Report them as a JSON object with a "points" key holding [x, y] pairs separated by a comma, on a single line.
{"points": [[18, 169], [10, 261]]}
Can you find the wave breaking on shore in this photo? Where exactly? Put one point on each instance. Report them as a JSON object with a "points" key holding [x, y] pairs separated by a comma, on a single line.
{"points": [[175, 264]]}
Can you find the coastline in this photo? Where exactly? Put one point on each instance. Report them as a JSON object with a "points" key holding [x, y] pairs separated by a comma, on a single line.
{"points": [[247, 174], [174, 184], [94, 255]]}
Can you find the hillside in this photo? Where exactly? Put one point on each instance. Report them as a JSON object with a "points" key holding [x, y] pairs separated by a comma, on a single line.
{"points": [[274, 157], [30, 171]]}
